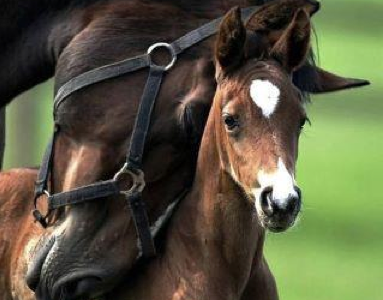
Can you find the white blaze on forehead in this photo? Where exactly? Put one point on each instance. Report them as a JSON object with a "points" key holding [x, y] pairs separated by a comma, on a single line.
{"points": [[281, 181], [265, 95]]}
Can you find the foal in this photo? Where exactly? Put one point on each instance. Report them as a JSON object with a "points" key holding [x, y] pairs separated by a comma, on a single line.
{"points": [[244, 179]]}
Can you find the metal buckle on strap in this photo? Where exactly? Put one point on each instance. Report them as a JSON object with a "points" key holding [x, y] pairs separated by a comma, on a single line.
{"points": [[39, 217], [137, 176], [172, 53]]}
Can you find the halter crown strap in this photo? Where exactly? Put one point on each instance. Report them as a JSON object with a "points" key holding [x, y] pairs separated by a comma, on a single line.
{"points": [[133, 164]]}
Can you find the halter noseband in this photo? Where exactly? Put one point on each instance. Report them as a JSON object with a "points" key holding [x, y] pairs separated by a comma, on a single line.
{"points": [[133, 164]]}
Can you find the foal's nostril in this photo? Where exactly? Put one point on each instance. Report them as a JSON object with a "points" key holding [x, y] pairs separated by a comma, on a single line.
{"points": [[299, 192], [266, 201], [275, 206], [293, 202], [296, 200]]}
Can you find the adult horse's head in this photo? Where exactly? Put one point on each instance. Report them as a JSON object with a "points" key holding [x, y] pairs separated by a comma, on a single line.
{"points": [[261, 114], [90, 246]]}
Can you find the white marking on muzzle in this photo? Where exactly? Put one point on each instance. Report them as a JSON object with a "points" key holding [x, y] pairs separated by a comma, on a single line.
{"points": [[265, 95], [281, 181]]}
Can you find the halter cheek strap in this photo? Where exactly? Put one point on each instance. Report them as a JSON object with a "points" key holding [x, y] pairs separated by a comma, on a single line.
{"points": [[133, 163]]}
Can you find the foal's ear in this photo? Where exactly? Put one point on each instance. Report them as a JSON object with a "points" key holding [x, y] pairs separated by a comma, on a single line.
{"points": [[230, 43], [314, 80], [293, 46]]}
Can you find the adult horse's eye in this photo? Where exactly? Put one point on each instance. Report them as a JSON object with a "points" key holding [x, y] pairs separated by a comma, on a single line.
{"points": [[230, 121]]}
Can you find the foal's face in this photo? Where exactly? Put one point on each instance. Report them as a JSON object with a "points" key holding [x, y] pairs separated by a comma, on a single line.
{"points": [[261, 115], [261, 118]]}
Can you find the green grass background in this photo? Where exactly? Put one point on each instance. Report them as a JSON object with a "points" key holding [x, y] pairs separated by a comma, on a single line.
{"points": [[336, 251]]}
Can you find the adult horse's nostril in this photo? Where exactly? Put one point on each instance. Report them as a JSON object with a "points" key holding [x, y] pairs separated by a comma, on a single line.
{"points": [[266, 201], [84, 288]]}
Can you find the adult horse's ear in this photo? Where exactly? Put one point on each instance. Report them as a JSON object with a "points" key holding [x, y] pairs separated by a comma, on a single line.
{"points": [[230, 43], [315, 80], [293, 46]]}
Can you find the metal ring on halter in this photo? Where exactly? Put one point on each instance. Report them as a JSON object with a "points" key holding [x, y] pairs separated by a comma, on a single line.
{"points": [[137, 177], [39, 217], [171, 50]]}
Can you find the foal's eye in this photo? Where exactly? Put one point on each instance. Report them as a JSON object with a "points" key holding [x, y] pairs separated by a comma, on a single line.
{"points": [[230, 121]]}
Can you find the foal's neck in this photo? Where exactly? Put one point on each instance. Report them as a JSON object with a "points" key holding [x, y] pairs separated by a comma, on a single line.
{"points": [[216, 228]]}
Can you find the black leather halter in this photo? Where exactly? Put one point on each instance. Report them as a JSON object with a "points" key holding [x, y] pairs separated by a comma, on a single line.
{"points": [[133, 163]]}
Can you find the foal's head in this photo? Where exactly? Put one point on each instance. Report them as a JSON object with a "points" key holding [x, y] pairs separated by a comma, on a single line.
{"points": [[259, 115]]}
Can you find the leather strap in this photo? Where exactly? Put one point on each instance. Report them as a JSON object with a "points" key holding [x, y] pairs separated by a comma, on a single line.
{"points": [[145, 241], [142, 122], [134, 159], [98, 75], [41, 184], [197, 35], [84, 194]]}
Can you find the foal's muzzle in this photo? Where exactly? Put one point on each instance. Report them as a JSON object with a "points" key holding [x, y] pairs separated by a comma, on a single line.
{"points": [[279, 213]]}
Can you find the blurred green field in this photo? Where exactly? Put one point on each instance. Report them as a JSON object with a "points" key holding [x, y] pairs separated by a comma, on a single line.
{"points": [[336, 251]]}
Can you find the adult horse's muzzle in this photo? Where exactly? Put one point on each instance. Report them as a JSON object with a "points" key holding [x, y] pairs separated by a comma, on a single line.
{"points": [[72, 288], [279, 213], [75, 267]]}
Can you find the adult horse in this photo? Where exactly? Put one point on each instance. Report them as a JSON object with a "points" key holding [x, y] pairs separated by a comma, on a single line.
{"points": [[89, 247]]}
